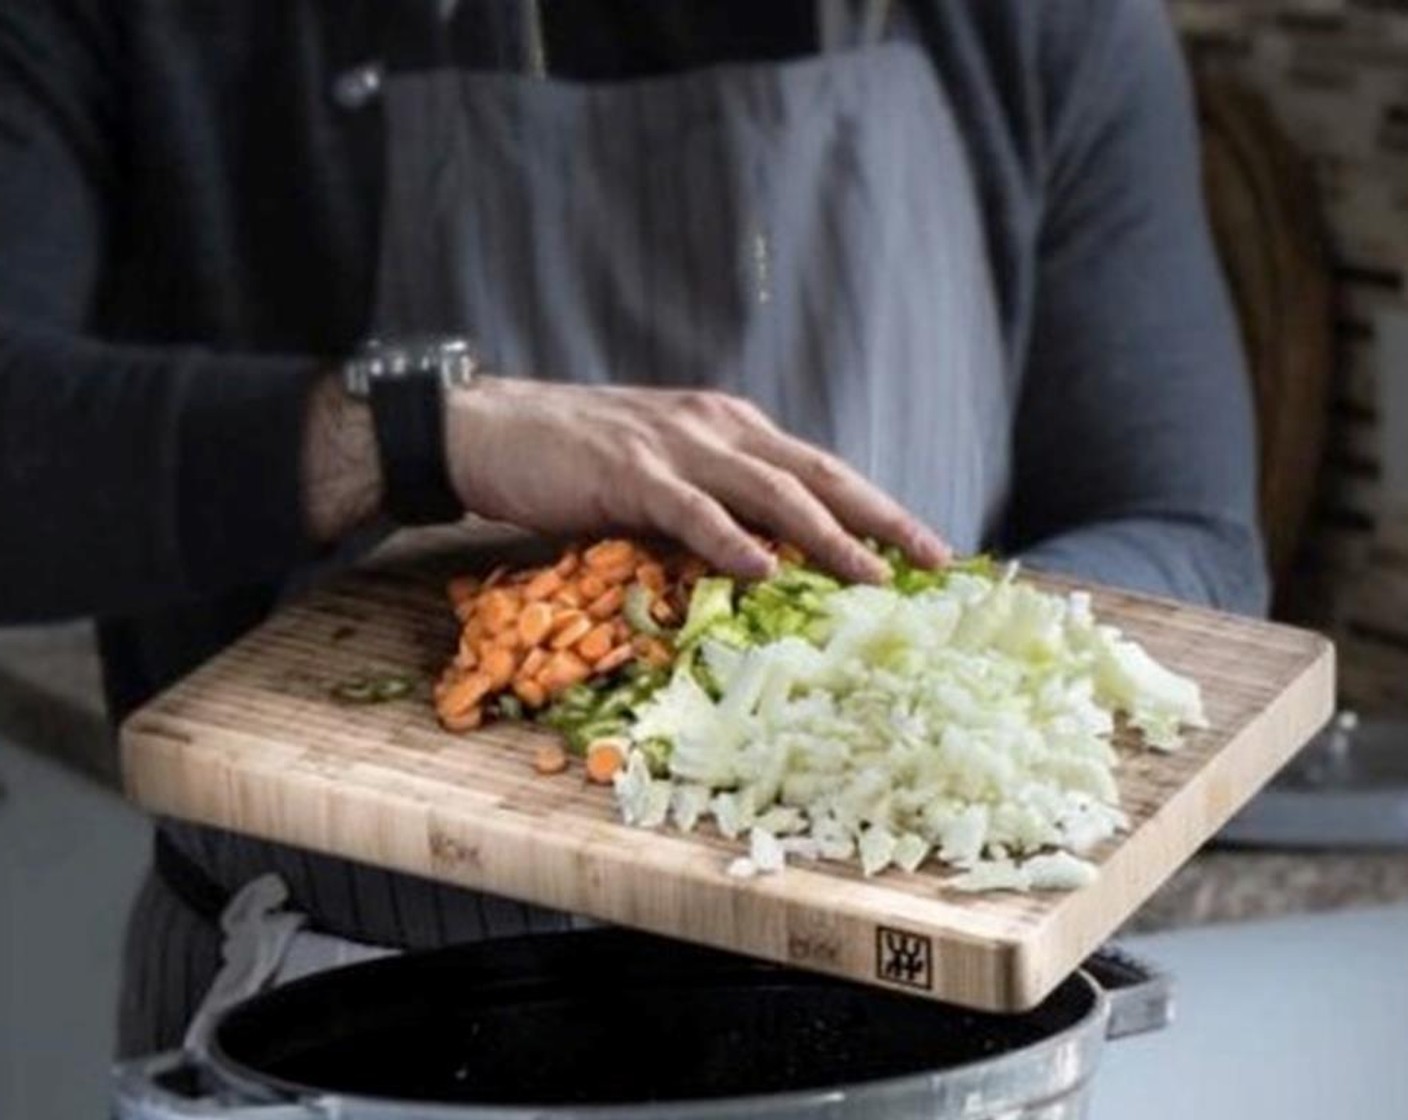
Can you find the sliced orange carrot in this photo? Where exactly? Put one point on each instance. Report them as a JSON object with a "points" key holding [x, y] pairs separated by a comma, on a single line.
{"points": [[467, 720], [465, 693], [597, 643], [608, 603], [565, 617], [534, 662], [549, 758], [609, 554], [443, 683], [651, 576], [614, 659], [605, 757], [623, 572], [591, 586], [508, 638], [543, 585], [498, 609], [530, 692], [563, 670], [534, 623], [498, 666], [570, 596], [573, 632], [653, 651], [568, 564]]}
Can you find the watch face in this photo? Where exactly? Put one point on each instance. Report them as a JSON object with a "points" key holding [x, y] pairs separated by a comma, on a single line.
{"points": [[451, 358]]}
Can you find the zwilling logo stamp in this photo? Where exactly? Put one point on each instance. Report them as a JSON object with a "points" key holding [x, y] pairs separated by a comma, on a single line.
{"points": [[904, 958]]}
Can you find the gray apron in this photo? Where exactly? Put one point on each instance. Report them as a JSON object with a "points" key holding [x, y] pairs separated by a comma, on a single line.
{"points": [[803, 234]]}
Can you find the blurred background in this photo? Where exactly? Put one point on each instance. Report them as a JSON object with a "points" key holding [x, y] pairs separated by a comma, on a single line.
{"points": [[1304, 108]]}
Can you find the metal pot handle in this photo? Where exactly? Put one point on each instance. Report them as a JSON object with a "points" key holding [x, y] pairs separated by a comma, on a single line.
{"points": [[1140, 995], [173, 1086]]}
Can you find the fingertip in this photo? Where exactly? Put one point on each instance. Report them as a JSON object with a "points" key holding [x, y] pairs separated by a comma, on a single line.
{"points": [[867, 567], [756, 563], [930, 550]]}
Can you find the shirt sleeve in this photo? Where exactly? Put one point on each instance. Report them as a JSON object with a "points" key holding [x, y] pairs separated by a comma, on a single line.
{"points": [[130, 477], [1134, 452]]}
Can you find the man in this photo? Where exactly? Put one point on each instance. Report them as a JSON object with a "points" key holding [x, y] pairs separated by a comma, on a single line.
{"points": [[958, 243]]}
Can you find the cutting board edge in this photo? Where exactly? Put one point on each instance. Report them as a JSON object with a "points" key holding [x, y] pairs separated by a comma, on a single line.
{"points": [[968, 966], [1073, 925]]}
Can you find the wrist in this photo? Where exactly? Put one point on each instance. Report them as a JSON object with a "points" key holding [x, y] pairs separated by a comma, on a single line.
{"points": [[343, 485]]}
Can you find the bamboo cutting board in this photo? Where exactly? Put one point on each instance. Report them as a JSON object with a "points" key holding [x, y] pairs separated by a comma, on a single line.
{"points": [[254, 743]]}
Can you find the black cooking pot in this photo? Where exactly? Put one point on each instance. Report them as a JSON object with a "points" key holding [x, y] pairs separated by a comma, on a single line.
{"points": [[612, 1023]]}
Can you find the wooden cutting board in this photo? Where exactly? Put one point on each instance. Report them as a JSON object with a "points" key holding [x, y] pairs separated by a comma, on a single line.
{"points": [[253, 742]]}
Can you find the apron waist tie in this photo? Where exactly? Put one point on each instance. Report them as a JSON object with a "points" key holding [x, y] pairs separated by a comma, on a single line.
{"points": [[263, 944]]}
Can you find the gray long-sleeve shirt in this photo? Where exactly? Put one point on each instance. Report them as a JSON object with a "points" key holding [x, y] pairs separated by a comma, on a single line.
{"points": [[187, 237], [187, 228]]}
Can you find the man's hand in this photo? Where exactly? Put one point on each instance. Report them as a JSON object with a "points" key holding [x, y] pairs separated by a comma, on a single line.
{"points": [[694, 466]]}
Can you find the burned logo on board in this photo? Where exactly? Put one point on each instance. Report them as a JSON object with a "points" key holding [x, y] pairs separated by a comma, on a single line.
{"points": [[904, 958]]}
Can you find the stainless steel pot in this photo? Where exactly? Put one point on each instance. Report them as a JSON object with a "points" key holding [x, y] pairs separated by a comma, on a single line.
{"points": [[610, 1024]]}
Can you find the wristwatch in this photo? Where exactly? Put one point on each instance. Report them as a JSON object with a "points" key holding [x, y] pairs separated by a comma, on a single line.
{"points": [[405, 381]]}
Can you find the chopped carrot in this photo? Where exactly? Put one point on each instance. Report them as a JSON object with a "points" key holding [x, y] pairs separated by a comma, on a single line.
{"points": [[543, 585], [567, 617], [534, 623], [499, 665], [508, 638], [653, 651], [465, 693], [530, 692], [563, 670], [651, 575], [534, 662], [608, 603], [570, 596], [467, 720], [605, 758], [620, 573], [614, 659], [591, 586], [597, 643], [549, 758], [569, 563], [498, 609], [609, 554], [567, 636]]}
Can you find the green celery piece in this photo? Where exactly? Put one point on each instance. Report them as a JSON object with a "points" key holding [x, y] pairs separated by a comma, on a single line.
{"points": [[710, 603]]}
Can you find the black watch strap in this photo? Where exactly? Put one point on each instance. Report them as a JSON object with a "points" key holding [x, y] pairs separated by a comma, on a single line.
{"points": [[408, 414]]}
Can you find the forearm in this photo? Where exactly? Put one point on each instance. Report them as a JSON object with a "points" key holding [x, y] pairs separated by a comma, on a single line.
{"points": [[1215, 563], [132, 478]]}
